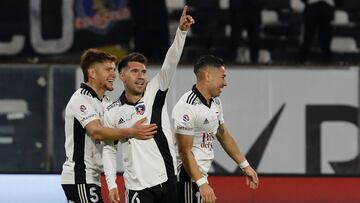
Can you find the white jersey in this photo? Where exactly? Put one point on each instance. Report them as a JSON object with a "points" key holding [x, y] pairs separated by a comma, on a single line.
{"points": [[146, 162], [193, 117], [83, 154]]}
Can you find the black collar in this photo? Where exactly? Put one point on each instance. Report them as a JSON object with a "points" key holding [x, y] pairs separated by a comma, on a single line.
{"points": [[201, 97], [91, 91], [124, 100]]}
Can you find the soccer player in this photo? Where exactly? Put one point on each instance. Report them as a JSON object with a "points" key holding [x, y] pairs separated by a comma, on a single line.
{"points": [[198, 119], [84, 113], [149, 165]]}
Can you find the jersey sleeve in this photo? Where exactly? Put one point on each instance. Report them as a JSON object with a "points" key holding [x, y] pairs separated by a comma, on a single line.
{"points": [[171, 61], [109, 162], [184, 119], [83, 110]]}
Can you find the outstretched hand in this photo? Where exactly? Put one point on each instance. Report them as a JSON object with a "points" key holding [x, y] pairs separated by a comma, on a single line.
{"points": [[185, 20], [144, 132]]}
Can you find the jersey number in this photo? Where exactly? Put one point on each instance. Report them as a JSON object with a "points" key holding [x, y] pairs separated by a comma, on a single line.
{"points": [[134, 199], [94, 197]]}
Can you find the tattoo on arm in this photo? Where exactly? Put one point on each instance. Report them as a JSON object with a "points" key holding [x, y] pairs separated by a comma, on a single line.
{"points": [[220, 130]]}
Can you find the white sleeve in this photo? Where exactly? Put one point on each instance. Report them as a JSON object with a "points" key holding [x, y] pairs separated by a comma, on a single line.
{"points": [[184, 119], [109, 153], [109, 161], [171, 61], [84, 111]]}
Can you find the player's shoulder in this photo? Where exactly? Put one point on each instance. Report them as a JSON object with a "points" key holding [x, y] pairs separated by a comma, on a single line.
{"points": [[190, 98], [80, 96], [83, 94]]}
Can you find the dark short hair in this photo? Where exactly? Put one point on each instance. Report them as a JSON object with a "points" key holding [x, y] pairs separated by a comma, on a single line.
{"points": [[208, 60], [92, 56], [135, 57]]}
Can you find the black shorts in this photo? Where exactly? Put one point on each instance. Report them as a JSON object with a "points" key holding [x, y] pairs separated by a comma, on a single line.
{"points": [[188, 191], [162, 193], [83, 193]]}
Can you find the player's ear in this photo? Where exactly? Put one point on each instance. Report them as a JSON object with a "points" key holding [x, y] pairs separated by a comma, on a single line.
{"points": [[91, 72], [122, 75], [207, 75]]}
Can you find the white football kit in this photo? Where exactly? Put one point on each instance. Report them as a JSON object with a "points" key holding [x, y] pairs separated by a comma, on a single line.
{"points": [[193, 117], [83, 163], [146, 162]]}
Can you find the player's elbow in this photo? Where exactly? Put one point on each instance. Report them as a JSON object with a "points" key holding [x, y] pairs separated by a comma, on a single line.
{"points": [[184, 152], [96, 134]]}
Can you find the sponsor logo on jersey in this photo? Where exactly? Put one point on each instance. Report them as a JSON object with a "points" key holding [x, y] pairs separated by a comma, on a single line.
{"points": [[186, 118], [82, 108], [183, 128], [140, 109], [206, 121], [112, 105], [87, 117], [208, 141], [121, 121]]}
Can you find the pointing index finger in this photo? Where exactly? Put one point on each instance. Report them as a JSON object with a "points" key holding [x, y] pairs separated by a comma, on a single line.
{"points": [[184, 10]]}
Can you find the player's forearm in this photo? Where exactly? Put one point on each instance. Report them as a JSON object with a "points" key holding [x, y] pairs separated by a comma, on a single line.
{"points": [[229, 144], [104, 133], [191, 165], [231, 148]]}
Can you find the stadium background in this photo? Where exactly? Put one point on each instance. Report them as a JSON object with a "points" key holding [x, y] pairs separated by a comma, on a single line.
{"points": [[296, 122]]}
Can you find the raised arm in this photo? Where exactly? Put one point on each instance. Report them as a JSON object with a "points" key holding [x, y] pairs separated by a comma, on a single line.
{"points": [[229, 145], [174, 53]]}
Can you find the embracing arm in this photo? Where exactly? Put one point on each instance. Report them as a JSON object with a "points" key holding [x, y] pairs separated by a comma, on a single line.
{"points": [[139, 131]]}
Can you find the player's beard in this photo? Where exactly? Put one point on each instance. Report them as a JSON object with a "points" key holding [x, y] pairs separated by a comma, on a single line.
{"points": [[109, 86]]}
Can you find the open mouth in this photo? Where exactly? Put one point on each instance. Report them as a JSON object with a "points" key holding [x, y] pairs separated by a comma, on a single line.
{"points": [[140, 83]]}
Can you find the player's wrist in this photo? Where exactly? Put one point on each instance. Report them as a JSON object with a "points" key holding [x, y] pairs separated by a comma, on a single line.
{"points": [[201, 181], [244, 164], [131, 133]]}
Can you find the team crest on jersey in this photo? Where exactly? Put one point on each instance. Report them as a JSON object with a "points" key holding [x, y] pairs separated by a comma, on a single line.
{"points": [[140, 109], [186, 118]]}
